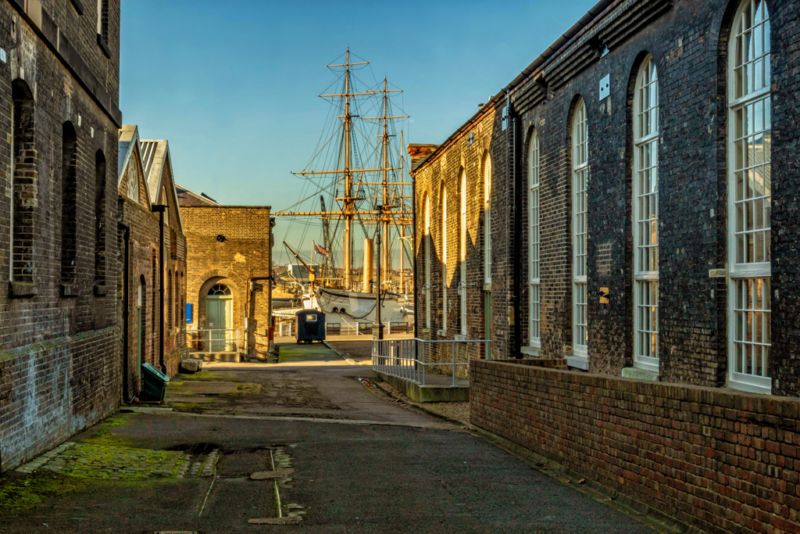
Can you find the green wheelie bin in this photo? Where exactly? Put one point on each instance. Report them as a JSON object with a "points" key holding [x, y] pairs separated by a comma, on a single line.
{"points": [[154, 384]]}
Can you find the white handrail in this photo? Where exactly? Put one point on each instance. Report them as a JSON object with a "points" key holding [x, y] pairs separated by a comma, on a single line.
{"points": [[405, 358]]}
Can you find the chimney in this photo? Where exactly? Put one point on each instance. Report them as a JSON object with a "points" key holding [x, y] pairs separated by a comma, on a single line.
{"points": [[419, 153]]}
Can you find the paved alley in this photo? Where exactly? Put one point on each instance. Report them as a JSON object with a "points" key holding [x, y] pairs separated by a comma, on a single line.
{"points": [[326, 452]]}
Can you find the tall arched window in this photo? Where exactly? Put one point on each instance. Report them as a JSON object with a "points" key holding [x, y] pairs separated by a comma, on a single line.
{"points": [[487, 226], [177, 300], [168, 313], [427, 238], [100, 219], [462, 254], [24, 183], [580, 180], [645, 217], [444, 259], [749, 198], [69, 203], [534, 239]]}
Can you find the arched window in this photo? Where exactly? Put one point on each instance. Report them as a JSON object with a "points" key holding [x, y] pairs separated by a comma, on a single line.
{"points": [[427, 238], [220, 290], [645, 217], [24, 179], [749, 198], [534, 239], [487, 225], [69, 202], [444, 259], [462, 253], [580, 180], [100, 219], [169, 299], [133, 182], [178, 289]]}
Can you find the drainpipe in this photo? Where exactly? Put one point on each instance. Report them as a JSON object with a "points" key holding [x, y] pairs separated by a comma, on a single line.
{"points": [[414, 249], [513, 248], [161, 209], [127, 396]]}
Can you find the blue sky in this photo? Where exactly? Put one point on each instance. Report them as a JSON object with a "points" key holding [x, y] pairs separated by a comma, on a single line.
{"points": [[233, 85]]}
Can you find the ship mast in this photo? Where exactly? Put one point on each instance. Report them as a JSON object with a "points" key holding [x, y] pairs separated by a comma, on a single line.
{"points": [[353, 179]]}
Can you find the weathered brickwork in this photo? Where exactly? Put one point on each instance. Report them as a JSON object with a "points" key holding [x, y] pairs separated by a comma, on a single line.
{"points": [[59, 343], [688, 42], [714, 459], [231, 246]]}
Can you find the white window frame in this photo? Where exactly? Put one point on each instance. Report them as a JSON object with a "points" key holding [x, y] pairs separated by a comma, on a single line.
{"points": [[580, 180], [443, 330], [741, 272], [646, 129], [534, 245], [462, 285], [427, 238], [487, 226]]}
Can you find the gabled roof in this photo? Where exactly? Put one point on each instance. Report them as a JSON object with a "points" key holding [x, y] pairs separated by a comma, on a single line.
{"points": [[129, 147], [156, 159], [198, 198]]}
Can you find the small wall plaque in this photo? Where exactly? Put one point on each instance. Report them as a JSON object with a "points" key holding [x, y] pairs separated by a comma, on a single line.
{"points": [[717, 273], [605, 86]]}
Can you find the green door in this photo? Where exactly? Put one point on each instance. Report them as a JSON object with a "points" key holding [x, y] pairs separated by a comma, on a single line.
{"points": [[219, 311], [487, 318]]}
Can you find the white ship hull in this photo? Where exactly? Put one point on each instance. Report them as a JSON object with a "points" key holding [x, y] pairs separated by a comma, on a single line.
{"points": [[359, 307]]}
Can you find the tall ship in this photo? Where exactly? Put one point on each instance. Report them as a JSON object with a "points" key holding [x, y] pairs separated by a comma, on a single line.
{"points": [[357, 192]]}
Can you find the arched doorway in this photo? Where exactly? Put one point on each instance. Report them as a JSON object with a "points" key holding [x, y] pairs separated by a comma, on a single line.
{"points": [[219, 314]]}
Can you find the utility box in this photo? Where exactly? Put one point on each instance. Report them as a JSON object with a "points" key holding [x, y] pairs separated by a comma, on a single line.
{"points": [[154, 384], [310, 326]]}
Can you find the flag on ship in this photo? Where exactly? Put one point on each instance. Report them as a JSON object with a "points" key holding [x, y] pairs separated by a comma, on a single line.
{"points": [[319, 250]]}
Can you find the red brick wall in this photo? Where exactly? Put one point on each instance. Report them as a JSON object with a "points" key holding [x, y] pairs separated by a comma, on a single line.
{"points": [[720, 461]]}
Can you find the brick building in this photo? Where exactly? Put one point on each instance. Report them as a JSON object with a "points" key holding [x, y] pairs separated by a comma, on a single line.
{"points": [[59, 343], [614, 208], [229, 265], [152, 288], [607, 172]]}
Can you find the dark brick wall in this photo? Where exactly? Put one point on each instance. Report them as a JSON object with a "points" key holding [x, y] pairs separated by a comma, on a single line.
{"points": [[717, 460], [688, 42], [59, 355], [244, 252]]}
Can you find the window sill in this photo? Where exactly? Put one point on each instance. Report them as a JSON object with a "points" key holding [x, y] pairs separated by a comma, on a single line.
{"points": [[765, 388], [23, 289], [69, 290], [100, 290], [441, 332], [640, 374], [578, 362], [103, 46], [460, 337], [530, 351]]}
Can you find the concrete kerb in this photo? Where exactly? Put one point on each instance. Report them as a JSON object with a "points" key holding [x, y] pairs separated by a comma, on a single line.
{"points": [[340, 354]]}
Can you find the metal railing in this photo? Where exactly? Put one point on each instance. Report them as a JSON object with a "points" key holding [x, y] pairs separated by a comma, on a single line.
{"points": [[406, 358], [365, 328], [208, 340]]}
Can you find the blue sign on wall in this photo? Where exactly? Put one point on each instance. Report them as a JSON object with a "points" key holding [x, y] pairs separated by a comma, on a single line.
{"points": [[188, 313]]}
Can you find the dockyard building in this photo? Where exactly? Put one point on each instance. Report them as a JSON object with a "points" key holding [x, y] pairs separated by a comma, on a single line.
{"points": [[626, 210], [228, 278], [153, 257], [59, 103]]}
